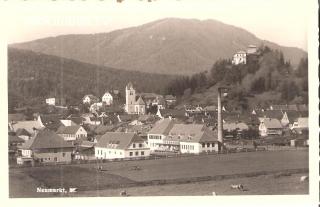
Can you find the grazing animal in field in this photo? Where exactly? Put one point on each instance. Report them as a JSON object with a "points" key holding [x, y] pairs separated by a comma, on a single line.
{"points": [[238, 186], [304, 178], [123, 193]]}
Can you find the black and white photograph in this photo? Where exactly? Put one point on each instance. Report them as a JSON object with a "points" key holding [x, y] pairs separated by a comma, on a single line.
{"points": [[154, 98]]}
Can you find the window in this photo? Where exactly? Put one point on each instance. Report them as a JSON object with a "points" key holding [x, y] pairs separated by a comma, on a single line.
{"points": [[137, 153], [63, 154], [203, 145], [142, 152], [140, 145], [208, 145], [133, 145], [130, 153]]}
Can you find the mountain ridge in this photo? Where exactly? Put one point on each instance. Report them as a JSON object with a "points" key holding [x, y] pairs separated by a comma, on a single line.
{"points": [[165, 46]]}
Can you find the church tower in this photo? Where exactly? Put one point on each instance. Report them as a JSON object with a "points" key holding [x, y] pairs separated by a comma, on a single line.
{"points": [[130, 99]]}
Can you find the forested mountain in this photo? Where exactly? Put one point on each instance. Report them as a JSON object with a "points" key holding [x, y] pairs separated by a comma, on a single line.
{"points": [[267, 78], [167, 46], [33, 76]]}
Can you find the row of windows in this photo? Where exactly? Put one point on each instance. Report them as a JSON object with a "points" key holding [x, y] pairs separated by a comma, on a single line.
{"points": [[154, 137], [100, 152], [134, 145], [187, 147], [48, 159], [207, 145], [136, 153]]}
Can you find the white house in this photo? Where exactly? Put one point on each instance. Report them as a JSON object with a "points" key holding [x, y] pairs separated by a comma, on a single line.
{"points": [[89, 99], [115, 145], [270, 126], [51, 101], [159, 132], [107, 98], [194, 138], [300, 124], [239, 58], [72, 133]]}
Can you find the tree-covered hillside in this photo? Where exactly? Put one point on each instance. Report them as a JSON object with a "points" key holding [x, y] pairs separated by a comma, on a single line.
{"points": [[266, 78], [34, 76]]}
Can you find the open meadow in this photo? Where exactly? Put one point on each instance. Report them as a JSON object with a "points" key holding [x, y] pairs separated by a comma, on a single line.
{"points": [[190, 175]]}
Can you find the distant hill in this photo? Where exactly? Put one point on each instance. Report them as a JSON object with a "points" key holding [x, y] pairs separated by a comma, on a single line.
{"points": [[167, 46], [34, 76]]}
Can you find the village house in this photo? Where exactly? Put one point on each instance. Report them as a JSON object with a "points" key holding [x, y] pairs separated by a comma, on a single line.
{"points": [[72, 133], [239, 58], [55, 101], [90, 99], [194, 138], [85, 151], [270, 126], [45, 147], [300, 124], [29, 126], [107, 98], [157, 134], [170, 100], [117, 145]]}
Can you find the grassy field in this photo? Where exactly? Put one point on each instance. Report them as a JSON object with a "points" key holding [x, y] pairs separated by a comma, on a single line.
{"points": [[173, 172]]}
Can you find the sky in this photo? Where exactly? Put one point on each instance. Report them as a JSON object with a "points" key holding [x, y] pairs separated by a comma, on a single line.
{"points": [[280, 21]]}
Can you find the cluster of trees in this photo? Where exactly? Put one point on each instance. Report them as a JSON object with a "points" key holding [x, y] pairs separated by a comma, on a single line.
{"points": [[268, 71]]}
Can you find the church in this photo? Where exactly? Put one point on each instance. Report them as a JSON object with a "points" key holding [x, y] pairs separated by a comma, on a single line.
{"points": [[134, 105]]}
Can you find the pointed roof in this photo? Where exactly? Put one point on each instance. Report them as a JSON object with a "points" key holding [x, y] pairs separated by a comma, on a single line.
{"points": [[46, 139], [22, 132], [68, 129], [129, 85], [272, 123], [140, 101]]}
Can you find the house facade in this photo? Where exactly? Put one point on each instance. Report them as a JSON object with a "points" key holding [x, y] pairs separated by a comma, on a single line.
{"points": [[119, 145], [270, 126], [89, 99], [239, 58], [45, 146], [72, 133], [107, 98]]}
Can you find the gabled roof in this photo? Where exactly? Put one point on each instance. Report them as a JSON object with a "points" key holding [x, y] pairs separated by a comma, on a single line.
{"points": [[272, 123], [27, 125], [170, 97], [68, 129], [303, 122], [118, 140], [293, 115], [16, 117], [140, 101], [162, 126], [234, 126], [46, 139], [51, 121], [274, 114], [22, 132], [192, 133], [129, 85]]}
